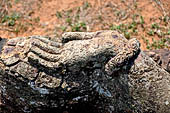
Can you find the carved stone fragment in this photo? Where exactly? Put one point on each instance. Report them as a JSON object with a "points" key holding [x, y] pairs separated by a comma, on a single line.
{"points": [[96, 72]]}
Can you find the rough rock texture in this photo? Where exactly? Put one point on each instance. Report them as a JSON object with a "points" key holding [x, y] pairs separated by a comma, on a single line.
{"points": [[96, 72], [161, 56], [150, 85]]}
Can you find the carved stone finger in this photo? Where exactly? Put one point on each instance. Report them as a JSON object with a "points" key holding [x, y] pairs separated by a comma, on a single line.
{"points": [[47, 41], [15, 41], [37, 60], [129, 51], [10, 61], [45, 55], [46, 47], [69, 36]]}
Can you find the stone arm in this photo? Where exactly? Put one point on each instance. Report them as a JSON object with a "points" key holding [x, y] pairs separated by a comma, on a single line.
{"points": [[70, 71], [39, 75]]}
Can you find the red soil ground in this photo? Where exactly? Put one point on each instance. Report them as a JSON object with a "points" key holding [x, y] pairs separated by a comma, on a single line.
{"points": [[53, 17]]}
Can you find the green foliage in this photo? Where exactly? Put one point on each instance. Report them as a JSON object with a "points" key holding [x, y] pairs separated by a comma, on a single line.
{"points": [[147, 42], [168, 33], [74, 26], [69, 12], [100, 18], [86, 5], [130, 28], [17, 1], [58, 14], [133, 26], [126, 29], [156, 44], [37, 19], [10, 19], [155, 26], [166, 19], [142, 20], [127, 34], [121, 28], [157, 30], [78, 26], [69, 21], [63, 28], [151, 32]]}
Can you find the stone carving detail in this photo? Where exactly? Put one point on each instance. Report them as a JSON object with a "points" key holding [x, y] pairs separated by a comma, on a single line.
{"points": [[101, 71]]}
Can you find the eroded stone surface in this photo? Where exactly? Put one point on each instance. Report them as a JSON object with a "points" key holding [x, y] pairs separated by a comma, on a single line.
{"points": [[161, 56], [93, 70]]}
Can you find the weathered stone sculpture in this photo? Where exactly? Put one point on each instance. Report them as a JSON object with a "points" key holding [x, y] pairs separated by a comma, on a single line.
{"points": [[87, 72]]}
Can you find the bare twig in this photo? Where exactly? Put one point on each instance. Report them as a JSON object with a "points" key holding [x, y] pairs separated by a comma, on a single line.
{"points": [[158, 2]]}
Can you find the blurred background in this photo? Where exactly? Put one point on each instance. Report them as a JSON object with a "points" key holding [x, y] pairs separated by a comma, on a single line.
{"points": [[147, 20]]}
